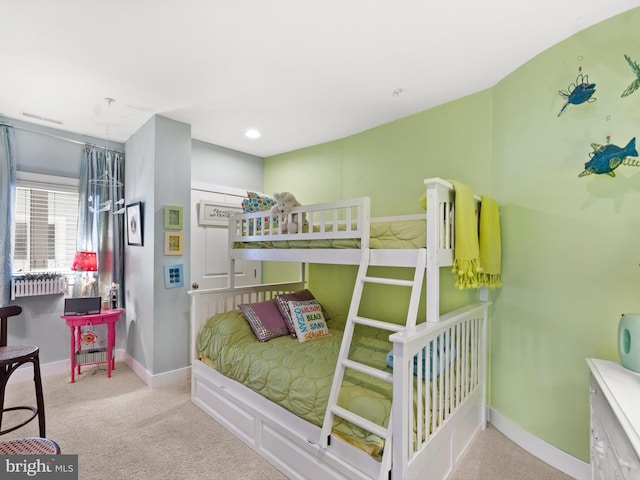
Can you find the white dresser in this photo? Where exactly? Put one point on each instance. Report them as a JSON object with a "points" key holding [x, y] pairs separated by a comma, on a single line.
{"points": [[615, 421]]}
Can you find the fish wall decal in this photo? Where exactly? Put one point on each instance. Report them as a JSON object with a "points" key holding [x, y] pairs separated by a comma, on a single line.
{"points": [[579, 92], [606, 158]]}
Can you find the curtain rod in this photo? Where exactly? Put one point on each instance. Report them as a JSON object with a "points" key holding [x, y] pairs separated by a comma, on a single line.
{"points": [[58, 137]]}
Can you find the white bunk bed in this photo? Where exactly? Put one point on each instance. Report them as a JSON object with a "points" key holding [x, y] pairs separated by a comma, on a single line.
{"points": [[431, 422]]}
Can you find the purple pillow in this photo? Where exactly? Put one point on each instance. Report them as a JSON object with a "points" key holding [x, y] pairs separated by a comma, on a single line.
{"points": [[265, 320], [283, 306]]}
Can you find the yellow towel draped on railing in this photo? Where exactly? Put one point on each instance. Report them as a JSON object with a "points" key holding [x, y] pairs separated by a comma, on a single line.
{"points": [[466, 264], [477, 260], [490, 244]]}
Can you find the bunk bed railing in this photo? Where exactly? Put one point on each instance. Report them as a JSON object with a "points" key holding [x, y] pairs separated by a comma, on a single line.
{"points": [[350, 219], [451, 358], [441, 237], [208, 302], [332, 220]]}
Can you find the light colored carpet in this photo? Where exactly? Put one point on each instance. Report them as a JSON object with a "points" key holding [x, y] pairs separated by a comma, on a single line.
{"points": [[122, 429], [492, 456]]}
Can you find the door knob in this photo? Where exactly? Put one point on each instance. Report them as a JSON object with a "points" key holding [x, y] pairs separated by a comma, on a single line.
{"points": [[195, 285]]}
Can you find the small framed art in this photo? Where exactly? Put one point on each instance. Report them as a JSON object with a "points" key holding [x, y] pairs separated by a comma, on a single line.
{"points": [[135, 225], [173, 243], [173, 217], [173, 276]]}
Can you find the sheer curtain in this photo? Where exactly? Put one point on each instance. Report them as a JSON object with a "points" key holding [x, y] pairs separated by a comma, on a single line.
{"points": [[7, 205], [101, 215]]}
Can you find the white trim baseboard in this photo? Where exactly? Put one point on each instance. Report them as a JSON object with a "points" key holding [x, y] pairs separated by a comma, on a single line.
{"points": [[546, 452], [25, 372], [158, 380]]}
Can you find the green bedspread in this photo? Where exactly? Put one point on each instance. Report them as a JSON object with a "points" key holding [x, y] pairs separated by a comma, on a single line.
{"points": [[298, 376]]}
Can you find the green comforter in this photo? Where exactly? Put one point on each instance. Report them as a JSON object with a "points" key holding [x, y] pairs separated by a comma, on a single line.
{"points": [[298, 376]]}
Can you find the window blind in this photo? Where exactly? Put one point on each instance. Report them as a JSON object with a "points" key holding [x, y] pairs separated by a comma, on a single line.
{"points": [[46, 225]]}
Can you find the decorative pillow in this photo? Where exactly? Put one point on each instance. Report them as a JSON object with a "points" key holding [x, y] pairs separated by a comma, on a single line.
{"points": [[283, 305], [308, 320], [265, 320], [256, 202], [435, 363], [423, 201]]}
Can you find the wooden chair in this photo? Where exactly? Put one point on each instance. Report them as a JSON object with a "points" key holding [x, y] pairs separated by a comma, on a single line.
{"points": [[12, 357]]}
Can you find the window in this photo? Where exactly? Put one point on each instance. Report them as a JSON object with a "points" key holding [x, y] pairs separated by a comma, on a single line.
{"points": [[46, 223]]}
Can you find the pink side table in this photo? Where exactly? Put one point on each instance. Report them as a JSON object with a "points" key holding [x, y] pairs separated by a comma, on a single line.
{"points": [[75, 322]]}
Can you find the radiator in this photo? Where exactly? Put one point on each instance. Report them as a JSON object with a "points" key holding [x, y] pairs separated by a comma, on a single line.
{"points": [[22, 287]]}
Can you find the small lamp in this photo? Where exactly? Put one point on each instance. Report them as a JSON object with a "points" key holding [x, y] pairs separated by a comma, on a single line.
{"points": [[85, 262]]}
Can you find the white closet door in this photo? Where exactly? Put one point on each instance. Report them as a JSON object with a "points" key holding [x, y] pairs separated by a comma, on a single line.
{"points": [[209, 241]]}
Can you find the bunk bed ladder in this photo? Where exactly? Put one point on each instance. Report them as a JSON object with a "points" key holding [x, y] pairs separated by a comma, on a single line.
{"points": [[343, 362]]}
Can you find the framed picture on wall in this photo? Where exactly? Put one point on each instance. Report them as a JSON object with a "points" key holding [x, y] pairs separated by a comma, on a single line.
{"points": [[135, 225], [173, 243], [173, 217], [173, 276], [216, 214]]}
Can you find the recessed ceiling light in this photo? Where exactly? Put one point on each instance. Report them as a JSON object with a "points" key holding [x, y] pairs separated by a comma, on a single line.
{"points": [[252, 133]]}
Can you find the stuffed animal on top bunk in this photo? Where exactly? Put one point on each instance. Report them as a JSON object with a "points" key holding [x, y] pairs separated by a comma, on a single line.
{"points": [[285, 202]]}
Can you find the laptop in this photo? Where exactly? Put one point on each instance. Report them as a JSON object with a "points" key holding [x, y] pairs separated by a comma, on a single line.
{"points": [[82, 306]]}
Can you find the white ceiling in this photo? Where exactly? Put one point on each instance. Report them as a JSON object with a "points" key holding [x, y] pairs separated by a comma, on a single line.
{"points": [[302, 72]]}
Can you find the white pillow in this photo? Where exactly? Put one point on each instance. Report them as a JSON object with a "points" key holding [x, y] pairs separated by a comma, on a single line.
{"points": [[308, 320]]}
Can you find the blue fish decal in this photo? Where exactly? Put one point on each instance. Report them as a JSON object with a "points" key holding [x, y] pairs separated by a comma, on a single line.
{"points": [[605, 159], [636, 83], [580, 92]]}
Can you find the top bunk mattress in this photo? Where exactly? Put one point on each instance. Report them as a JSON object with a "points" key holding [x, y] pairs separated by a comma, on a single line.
{"points": [[385, 234]]}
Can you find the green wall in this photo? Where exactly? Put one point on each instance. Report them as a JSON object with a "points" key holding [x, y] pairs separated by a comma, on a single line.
{"points": [[388, 164], [570, 245]]}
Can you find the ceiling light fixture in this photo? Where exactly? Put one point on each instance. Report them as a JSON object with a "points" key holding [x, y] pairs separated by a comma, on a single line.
{"points": [[252, 133]]}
